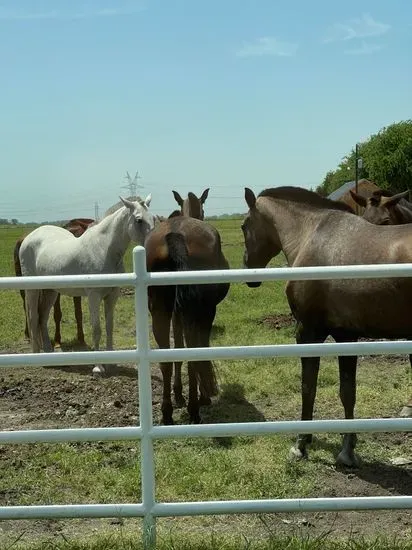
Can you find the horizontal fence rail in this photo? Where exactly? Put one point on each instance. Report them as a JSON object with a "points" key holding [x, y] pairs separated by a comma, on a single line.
{"points": [[146, 432]]}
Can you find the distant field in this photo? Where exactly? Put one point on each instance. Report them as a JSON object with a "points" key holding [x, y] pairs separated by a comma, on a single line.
{"points": [[197, 469]]}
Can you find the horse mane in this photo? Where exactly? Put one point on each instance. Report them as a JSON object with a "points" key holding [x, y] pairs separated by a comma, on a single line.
{"points": [[310, 198], [175, 213]]}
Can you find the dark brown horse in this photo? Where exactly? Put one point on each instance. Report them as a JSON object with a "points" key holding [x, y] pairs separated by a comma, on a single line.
{"points": [[180, 244], [77, 226], [192, 206], [385, 209], [314, 231]]}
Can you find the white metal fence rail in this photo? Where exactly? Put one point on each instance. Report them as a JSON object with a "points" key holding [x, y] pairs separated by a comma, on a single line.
{"points": [[143, 355]]}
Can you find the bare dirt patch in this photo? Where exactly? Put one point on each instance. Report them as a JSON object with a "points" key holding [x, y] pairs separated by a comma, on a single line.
{"points": [[66, 397], [278, 321]]}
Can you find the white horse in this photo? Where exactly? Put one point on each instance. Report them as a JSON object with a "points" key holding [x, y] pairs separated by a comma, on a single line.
{"points": [[51, 250]]}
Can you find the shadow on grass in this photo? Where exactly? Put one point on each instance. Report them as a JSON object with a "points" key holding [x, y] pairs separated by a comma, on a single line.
{"points": [[86, 370], [231, 406]]}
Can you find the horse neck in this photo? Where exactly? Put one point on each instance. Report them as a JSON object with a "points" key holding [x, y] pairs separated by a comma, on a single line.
{"points": [[113, 233], [403, 212], [295, 224]]}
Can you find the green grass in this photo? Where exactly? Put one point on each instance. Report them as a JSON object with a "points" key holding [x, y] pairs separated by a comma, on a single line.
{"points": [[202, 469]]}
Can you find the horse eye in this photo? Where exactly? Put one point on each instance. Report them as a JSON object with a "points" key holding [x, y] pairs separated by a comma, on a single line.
{"points": [[139, 220]]}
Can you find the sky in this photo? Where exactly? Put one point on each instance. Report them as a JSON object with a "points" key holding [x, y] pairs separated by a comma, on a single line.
{"points": [[191, 94]]}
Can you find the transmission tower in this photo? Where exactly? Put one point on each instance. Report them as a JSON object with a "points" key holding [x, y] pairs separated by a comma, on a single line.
{"points": [[132, 184], [96, 211]]}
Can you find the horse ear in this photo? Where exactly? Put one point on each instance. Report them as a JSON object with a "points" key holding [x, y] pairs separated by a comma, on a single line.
{"points": [[204, 195], [148, 200], [127, 203], [178, 198], [359, 199], [392, 201], [250, 197]]}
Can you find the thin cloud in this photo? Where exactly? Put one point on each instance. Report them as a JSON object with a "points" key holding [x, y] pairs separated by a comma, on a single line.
{"points": [[268, 45], [362, 27], [23, 15], [364, 49]]}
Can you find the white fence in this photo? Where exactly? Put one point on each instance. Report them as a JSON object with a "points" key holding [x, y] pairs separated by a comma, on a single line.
{"points": [[143, 355]]}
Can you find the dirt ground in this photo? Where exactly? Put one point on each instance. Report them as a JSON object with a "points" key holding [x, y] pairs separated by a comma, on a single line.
{"points": [[59, 398]]}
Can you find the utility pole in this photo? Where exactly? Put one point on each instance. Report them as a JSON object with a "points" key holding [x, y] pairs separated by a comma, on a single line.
{"points": [[96, 211], [132, 184], [358, 167]]}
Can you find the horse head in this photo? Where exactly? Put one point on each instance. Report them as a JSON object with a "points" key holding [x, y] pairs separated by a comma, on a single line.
{"points": [[261, 245], [380, 209], [192, 206], [140, 221]]}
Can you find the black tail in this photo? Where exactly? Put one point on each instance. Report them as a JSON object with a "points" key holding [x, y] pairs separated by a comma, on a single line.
{"points": [[197, 315], [189, 299]]}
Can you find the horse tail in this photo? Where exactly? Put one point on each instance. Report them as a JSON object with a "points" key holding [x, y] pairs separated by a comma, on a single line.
{"points": [[192, 305], [17, 271], [33, 298]]}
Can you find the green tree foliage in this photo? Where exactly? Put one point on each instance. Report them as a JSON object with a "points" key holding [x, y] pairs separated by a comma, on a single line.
{"points": [[387, 161]]}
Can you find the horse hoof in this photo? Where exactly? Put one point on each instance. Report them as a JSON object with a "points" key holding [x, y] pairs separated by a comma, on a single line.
{"points": [[350, 460], [406, 412], [99, 371], [297, 454]]}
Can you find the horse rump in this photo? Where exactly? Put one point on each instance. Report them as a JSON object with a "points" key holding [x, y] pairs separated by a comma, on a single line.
{"points": [[196, 308]]}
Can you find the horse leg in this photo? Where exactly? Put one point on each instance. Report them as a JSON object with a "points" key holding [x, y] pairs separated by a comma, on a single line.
{"points": [[347, 374], [161, 306], [26, 326], [32, 310], [77, 301], [179, 343], [201, 373], [406, 411], [109, 304], [310, 371], [94, 308], [57, 321], [47, 300]]}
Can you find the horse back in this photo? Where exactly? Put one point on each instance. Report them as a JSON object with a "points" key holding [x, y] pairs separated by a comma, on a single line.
{"points": [[201, 240]]}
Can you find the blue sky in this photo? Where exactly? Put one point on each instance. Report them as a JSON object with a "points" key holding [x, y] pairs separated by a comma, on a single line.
{"points": [[192, 94]]}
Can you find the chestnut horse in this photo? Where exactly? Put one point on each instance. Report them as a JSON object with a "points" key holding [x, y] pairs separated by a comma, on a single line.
{"points": [[77, 226], [315, 231], [182, 243]]}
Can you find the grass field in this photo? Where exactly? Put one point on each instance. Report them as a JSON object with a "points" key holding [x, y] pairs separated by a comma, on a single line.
{"points": [[198, 469]]}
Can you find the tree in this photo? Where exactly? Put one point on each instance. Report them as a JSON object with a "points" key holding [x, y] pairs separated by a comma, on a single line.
{"points": [[388, 157], [14, 221], [387, 161]]}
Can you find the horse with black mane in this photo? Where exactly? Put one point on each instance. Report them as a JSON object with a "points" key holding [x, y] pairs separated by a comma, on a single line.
{"points": [[315, 231], [183, 243]]}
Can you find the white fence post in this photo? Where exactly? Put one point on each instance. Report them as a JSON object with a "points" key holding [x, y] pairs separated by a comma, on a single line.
{"points": [[145, 397]]}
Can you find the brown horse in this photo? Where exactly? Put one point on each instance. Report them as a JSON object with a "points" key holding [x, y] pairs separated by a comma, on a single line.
{"points": [[384, 209], [192, 206], [315, 231], [77, 226], [180, 244]]}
